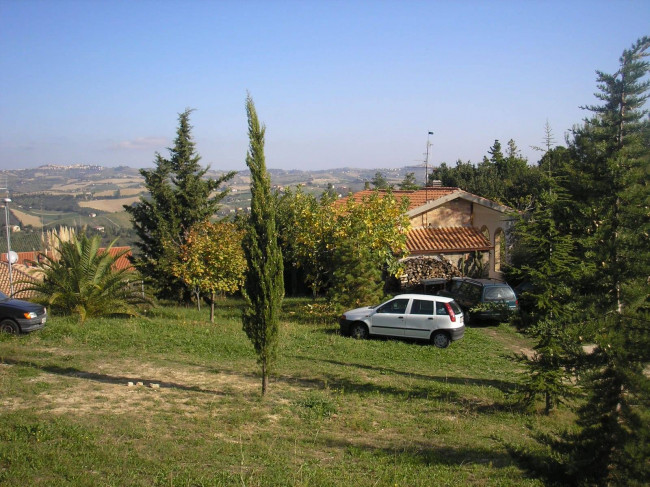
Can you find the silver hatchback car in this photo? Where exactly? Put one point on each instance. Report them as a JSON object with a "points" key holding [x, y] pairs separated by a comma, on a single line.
{"points": [[435, 318]]}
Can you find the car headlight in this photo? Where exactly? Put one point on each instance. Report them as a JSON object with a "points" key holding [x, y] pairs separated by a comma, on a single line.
{"points": [[30, 316]]}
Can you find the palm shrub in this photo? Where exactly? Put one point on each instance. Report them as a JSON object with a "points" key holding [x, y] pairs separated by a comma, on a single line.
{"points": [[84, 281]]}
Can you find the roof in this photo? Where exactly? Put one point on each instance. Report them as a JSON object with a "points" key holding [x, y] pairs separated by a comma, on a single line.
{"points": [[26, 258], [450, 239], [422, 200], [18, 274], [457, 194], [417, 197], [123, 262]]}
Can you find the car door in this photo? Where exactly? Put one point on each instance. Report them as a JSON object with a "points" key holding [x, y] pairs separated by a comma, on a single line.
{"points": [[420, 320], [389, 318]]}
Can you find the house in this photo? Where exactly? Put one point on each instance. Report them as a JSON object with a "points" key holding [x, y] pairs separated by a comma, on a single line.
{"points": [[454, 225]]}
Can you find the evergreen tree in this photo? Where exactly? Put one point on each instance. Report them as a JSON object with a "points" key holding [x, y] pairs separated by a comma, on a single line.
{"points": [[379, 181], [179, 197], [409, 182], [264, 281], [548, 311], [357, 281], [610, 188]]}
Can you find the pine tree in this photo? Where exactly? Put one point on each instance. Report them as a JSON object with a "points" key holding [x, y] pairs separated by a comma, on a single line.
{"points": [[548, 313], [409, 182], [179, 196], [264, 281], [610, 188], [357, 281]]}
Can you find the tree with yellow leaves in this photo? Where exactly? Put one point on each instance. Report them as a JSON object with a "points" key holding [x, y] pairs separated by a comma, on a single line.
{"points": [[211, 260]]}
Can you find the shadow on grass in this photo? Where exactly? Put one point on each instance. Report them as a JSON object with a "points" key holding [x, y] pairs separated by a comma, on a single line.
{"points": [[427, 454], [503, 386], [105, 378], [358, 387]]}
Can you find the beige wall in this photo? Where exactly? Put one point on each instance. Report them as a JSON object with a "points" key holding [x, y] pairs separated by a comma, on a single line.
{"points": [[457, 213], [460, 212], [493, 220]]}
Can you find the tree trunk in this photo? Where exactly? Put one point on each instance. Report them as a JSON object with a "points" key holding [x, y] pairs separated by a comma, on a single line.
{"points": [[265, 377], [212, 307]]}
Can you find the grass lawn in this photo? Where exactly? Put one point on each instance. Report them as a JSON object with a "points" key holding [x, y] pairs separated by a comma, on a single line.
{"points": [[338, 411]]}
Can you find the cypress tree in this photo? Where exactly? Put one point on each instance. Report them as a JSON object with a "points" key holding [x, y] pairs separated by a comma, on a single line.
{"points": [[264, 282]]}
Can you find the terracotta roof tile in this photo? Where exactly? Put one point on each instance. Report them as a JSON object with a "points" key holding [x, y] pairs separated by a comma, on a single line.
{"points": [[416, 197], [26, 258], [18, 274], [450, 239]]}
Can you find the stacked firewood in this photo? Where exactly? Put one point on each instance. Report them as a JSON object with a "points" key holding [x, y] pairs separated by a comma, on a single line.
{"points": [[425, 267]]}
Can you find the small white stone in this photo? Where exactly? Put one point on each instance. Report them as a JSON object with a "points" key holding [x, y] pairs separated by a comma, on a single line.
{"points": [[140, 383], [155, 386], [130, 384]]}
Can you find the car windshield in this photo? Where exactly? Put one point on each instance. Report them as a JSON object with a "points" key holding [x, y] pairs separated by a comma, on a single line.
{"points": [[3, 296]]}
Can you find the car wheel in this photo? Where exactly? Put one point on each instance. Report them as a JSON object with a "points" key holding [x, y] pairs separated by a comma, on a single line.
{"points": [[440, 339], [359, 331], [9, 326]]}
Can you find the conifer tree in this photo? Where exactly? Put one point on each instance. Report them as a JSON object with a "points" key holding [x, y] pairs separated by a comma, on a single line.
{"points": [[264, 281], [548, 314], [610, 188], [179, 196]]}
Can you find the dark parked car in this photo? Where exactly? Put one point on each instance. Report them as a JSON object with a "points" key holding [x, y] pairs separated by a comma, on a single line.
{"points": [[18, 316], [482, 300]]}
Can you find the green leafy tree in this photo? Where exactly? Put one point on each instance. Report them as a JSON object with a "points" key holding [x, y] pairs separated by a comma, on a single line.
{"points": [[83, 280], [507, 179], [179, 196], [212, 260], [306, 229], [368, 242], [264, 281]]}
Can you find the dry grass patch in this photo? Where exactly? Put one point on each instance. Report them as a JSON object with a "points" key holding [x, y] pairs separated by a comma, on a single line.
{"points": [[27, 219], [109, 205]]}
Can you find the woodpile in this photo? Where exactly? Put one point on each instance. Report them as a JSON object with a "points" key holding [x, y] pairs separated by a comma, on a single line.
{"points": [[425, 267]]}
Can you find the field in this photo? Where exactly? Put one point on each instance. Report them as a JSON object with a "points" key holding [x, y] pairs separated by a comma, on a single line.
{"points": [[109, 205], [338, 411]]}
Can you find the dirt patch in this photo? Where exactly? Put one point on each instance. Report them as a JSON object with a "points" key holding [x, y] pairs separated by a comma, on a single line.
{"points": [[106, 389]]}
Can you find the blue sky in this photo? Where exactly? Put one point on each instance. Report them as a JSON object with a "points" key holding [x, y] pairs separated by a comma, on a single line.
{"points": [[337, 83]]}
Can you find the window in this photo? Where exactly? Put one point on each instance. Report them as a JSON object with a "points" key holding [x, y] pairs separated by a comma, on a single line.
{"points": [[421, 307], [441, 309], [470, 291], [499, 294], [396, 306]]}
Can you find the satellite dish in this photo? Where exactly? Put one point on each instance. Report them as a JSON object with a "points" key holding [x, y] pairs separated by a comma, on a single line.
{"points": [[13, 257]]}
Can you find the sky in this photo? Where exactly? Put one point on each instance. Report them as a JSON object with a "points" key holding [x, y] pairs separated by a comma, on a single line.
{"points": [[337, 83]]}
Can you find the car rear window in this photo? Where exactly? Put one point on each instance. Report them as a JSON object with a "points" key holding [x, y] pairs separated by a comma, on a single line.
{"points": [[499, 293], [420, 307]]}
